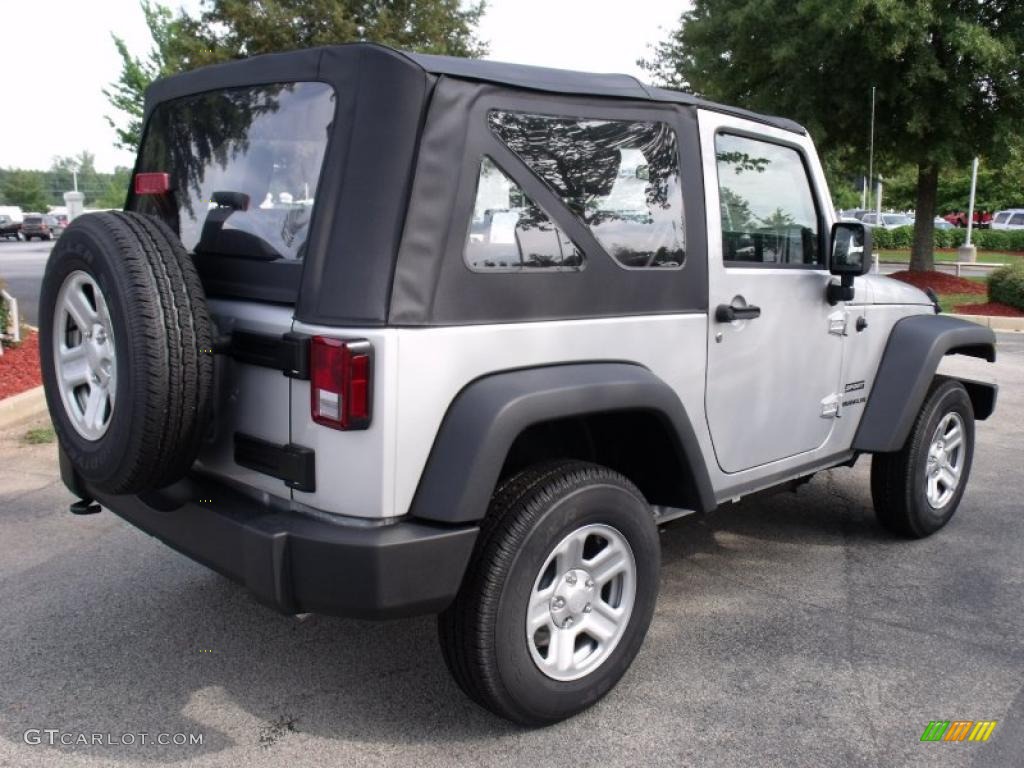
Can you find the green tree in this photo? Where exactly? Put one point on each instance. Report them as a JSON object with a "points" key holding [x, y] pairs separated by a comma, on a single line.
{"points": [[25, 189], [232, 29], [114, 190], [948, 73], [175, 49]]}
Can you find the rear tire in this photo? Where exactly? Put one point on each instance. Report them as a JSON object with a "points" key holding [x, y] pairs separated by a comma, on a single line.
{"points": [[917, 489], [503, 634], [155, 357]]}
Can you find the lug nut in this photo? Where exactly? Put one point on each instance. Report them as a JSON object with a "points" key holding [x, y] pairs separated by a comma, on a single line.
{"points": [[568, 622], [590, 583], [570, 578], [588, 608], [559, 602]]}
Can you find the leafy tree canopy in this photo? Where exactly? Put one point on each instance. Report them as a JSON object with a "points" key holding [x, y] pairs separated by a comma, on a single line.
{"points": [[231, 29], [25, 189], [949, 74]]}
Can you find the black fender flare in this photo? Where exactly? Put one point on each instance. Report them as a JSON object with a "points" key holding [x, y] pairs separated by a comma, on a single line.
{"points": [[916, 346], [486, 417]]}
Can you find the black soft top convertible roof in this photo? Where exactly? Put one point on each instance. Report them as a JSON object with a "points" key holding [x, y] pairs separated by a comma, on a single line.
{"points": [[382, 250], [317, 63]]}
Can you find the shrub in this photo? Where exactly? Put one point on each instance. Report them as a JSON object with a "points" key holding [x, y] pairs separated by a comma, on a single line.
{"points": [[881, 239], [950, 238], [1006, 285], [983, 239], [4, 312]]}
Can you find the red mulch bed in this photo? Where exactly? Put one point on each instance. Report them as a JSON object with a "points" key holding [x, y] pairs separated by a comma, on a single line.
{"points": [[940, 282], [19, 367], [989, 308]]}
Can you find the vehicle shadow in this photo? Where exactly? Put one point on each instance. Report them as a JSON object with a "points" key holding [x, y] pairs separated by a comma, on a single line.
{"points": [[139, 639]]}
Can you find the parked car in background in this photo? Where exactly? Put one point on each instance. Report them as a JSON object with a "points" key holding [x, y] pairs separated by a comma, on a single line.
{"points": [[853, 214], [62, 220], [941, 223], [888, 220], [1012, 218], [37, 225], [9, 228], [57, 222], [982, 219]]}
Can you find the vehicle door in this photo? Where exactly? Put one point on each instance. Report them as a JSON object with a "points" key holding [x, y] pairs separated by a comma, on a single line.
{"points": [[774, 342]]}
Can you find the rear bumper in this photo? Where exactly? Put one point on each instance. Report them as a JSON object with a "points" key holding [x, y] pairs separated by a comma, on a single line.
{"points": [[296, 562]]}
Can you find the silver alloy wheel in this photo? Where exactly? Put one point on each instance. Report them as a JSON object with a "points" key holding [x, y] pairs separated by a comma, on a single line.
{"points": [[945, 463], [84, 356], [581, 602]]}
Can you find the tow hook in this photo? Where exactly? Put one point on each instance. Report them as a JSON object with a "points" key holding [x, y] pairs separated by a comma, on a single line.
{"points": [[85, 507]]}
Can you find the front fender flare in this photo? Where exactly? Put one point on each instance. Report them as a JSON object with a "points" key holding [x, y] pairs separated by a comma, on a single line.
{"points": [[916, 346], [488, 415]]}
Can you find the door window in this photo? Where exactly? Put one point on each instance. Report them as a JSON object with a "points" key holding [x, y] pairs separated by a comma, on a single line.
{"points": [[619, 178], [768, 210]]}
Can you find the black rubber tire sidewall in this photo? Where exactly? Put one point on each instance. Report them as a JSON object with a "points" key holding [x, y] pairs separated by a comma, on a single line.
{"points": [[950, 397], [163, 345], [483, 632], [898, 481], [541, 697], [93, 460]]}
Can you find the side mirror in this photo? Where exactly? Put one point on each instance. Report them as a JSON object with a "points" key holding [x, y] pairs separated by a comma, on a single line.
{"points": [[851, 256]]}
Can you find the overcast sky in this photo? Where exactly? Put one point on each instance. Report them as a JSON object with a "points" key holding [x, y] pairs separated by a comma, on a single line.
{"points": [[52, 80]]}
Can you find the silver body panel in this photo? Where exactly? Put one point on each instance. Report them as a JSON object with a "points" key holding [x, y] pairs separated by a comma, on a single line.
{"points": [[772, 399]]}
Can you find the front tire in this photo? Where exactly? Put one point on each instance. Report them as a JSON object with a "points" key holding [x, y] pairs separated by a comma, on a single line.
{"points": [[558, 596], [917, 489]]}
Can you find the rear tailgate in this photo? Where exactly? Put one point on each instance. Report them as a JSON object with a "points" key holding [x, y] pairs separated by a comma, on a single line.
{"points": [[235, 172], [251, 401]]}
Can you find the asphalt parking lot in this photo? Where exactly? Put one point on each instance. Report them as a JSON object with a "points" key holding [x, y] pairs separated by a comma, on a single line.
{"points": [[790, 631], [21, 267]]}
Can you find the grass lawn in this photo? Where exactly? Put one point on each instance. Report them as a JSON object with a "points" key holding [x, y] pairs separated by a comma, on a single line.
{"points": [[989, 257]]}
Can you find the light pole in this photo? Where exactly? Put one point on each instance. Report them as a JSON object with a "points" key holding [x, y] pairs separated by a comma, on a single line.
{"points": [[968, 252], [871, 151]]}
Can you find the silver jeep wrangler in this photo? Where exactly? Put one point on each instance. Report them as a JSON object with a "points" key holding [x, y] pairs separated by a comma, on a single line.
{"points": [[382, 334]]}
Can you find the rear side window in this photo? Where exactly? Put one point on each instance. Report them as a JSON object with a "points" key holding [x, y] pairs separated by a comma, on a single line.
{"points": [[619, 178], [511, 233], [1002, 217], [244, 165], [1017, 220], [768, 210]]}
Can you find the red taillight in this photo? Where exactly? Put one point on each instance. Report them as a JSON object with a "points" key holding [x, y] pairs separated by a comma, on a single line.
{"points": [[340, 389], [152, 183]]}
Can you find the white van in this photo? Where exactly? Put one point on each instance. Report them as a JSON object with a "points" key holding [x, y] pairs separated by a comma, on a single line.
{"points": [[1009, 219]]}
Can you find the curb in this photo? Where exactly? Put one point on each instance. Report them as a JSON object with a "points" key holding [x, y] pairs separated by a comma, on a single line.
{"points": [[23, 405], [995, 322]]}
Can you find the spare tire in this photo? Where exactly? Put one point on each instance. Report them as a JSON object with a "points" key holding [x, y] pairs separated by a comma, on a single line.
{"points": [[125, 344]]}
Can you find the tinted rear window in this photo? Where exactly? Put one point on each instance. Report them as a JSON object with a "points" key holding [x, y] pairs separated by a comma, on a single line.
{"points": [[33, 220], [244, 166]]}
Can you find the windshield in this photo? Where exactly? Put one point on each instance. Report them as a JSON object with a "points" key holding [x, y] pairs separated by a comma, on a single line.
{"points": [[244, 165]]}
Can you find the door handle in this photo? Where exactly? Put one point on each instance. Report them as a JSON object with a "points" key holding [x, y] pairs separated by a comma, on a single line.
{"points": [[726, 313]]}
